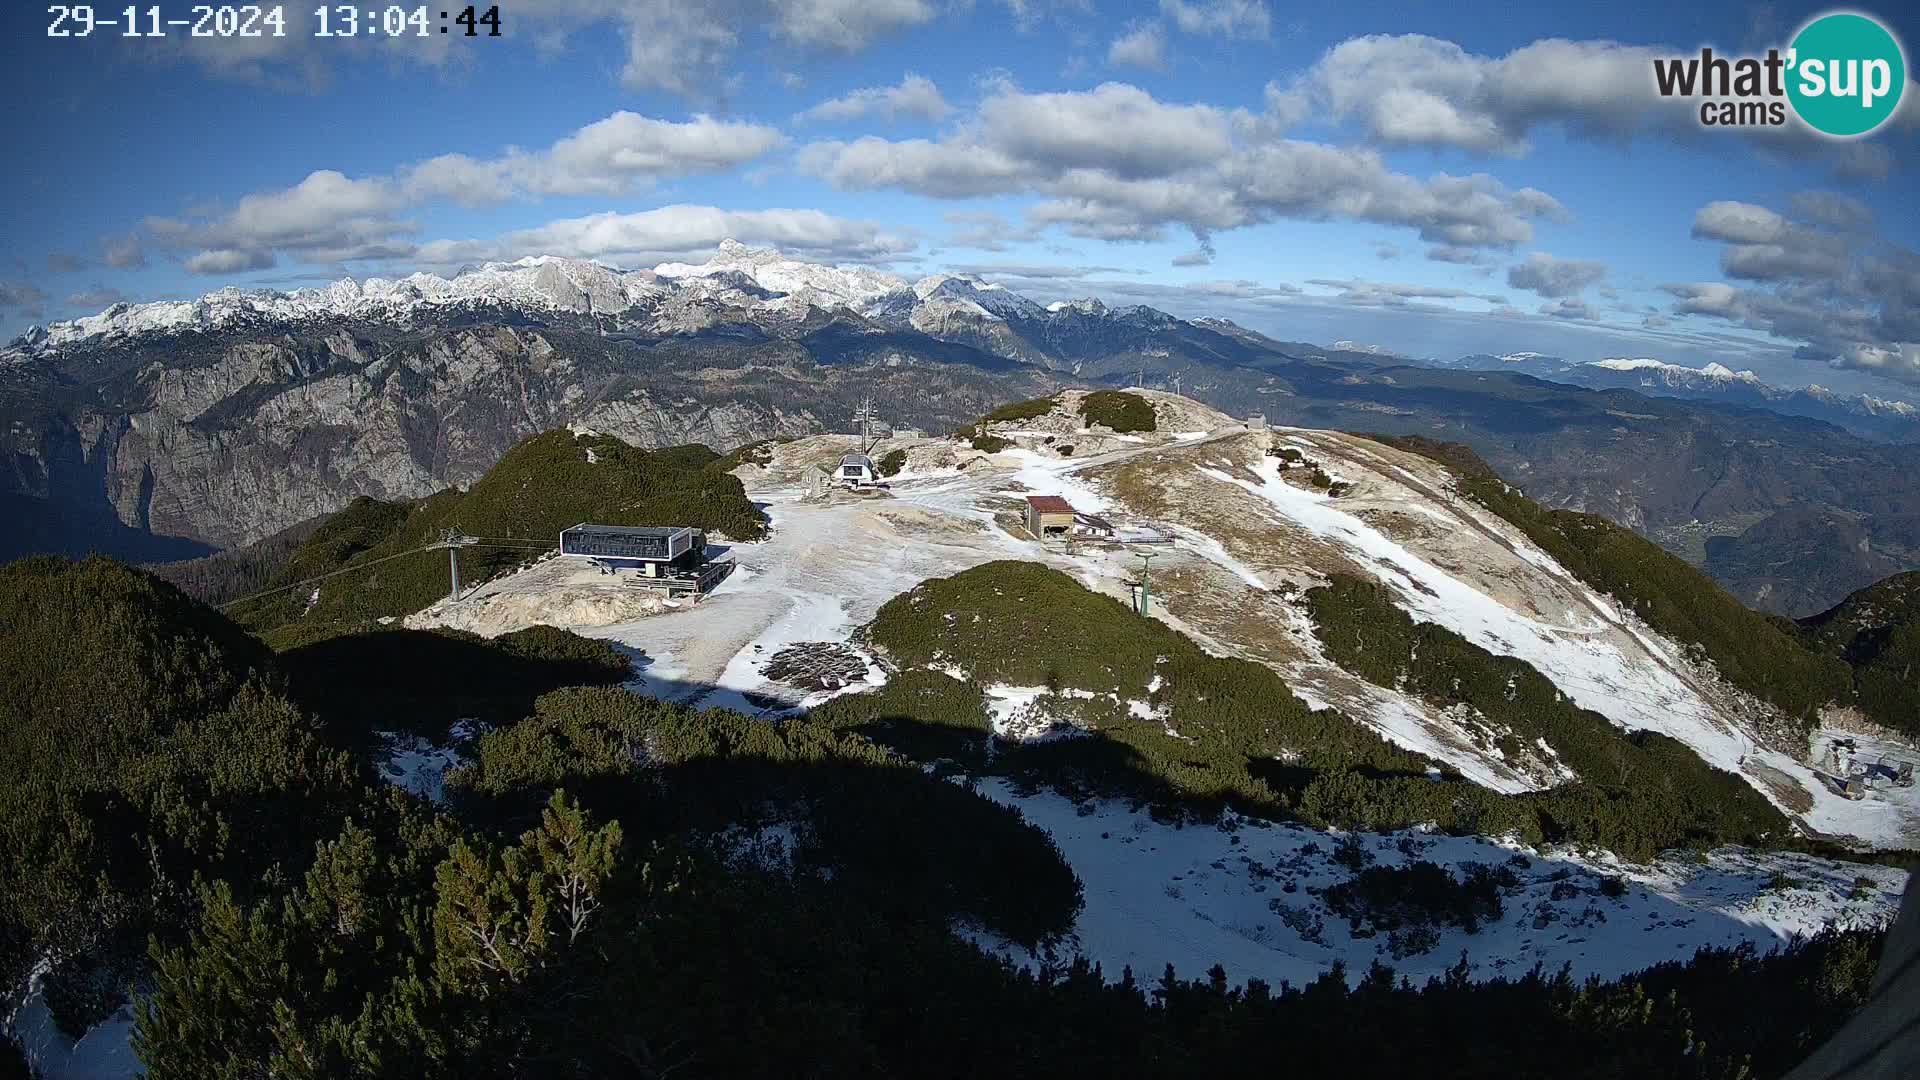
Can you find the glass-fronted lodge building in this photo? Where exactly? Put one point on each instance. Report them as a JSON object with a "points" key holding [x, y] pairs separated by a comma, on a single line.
{"points": [[653, 550]]}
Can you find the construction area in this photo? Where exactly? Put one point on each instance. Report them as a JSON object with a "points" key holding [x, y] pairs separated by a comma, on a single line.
{"points": [[1857, 766]]}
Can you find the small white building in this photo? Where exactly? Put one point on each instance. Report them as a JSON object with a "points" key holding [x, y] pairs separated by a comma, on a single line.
{"points": [[856, 470]]}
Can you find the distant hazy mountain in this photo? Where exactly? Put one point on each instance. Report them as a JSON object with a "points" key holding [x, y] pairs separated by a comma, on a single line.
{"points": [[1863, 414]]}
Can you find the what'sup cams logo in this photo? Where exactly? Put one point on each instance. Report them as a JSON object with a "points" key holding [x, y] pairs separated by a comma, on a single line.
{"points": [[1843, 76]]}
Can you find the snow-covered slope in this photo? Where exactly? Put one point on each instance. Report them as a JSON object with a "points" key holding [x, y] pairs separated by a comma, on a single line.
{"points": [[800, 283], [1246, 895]]}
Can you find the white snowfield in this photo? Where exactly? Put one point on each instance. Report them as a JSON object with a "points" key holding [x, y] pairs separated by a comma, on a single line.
{"points": [[1244, 894]]}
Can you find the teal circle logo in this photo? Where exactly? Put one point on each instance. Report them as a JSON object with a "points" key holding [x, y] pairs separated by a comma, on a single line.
{"points": [[1846, 74]]}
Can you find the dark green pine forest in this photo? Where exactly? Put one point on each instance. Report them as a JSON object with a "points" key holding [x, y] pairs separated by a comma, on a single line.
{"points": [[195, 824]]}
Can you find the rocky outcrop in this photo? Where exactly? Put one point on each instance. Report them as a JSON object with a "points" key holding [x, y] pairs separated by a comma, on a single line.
{"points": [[226, 445]]}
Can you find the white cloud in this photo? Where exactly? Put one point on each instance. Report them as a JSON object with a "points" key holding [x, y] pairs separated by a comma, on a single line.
{"points": [[1113, 127], [674, 231], [915, 97], [1570, 308], [330, 217], [20, 296], [229, 261], [1417, 90], [1114, 163], [1816, 277], [1142, 46], [1392, 294], [848, 25], [1411, 89], [96, 299], [1226, 18], [1553, 277], [608, 157], [682, 48], [1832, 209], [1738, 223], [125, 253], [1765, 246], [982, 230]]}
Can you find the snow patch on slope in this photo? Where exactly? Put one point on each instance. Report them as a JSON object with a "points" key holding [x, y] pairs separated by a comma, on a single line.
{"points": [[1244, 894]]}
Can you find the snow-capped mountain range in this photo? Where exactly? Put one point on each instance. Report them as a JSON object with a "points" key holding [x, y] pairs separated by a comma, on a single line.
{"points": [[771, 289], [756, 283]]}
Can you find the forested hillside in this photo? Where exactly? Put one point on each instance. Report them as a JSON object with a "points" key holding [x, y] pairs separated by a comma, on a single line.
{"points": [[1877, 632], [619, 886]]}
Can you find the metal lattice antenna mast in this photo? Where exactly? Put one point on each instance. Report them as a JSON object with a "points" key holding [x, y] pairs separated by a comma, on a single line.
{"points": [[866, 418]]}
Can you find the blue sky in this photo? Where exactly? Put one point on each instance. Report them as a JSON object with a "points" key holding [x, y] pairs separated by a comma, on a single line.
{"points": [[1435, 178]]}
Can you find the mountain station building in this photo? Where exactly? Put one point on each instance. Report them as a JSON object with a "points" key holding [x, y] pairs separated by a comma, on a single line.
{"points": [[856, 470], [1049, 516], [668, 558]]}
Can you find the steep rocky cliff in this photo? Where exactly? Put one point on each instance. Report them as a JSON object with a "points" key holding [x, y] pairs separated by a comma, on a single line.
{"points": [[223, 440]]}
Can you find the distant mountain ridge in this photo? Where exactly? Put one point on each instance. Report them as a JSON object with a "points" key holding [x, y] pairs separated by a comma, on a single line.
{"points": [[1863, 414], [739, 285]]}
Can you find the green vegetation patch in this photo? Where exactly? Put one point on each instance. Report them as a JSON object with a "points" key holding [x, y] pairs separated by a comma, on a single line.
{"points": [[1228, 732], [1240, 736], [872, 821], [145, 742], [1750, 650], [989, 444], [544, 485], [623, 887], [753, 453], [891, 463], [1118, 410], [1021, 410], [1876, 631], [1422, 895], [422, 681]]}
